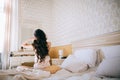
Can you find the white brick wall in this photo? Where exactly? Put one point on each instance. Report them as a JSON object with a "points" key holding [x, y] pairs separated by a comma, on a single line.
{"points": [[35, 14], [65, 21], [80, 19]]}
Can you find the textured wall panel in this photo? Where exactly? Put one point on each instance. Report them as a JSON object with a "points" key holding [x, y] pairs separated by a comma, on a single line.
{"points": [[80, 19], [65, 21], [35, 14]]}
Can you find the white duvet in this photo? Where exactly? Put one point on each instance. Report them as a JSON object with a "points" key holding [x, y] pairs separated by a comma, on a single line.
{"points": [[60, 75], [87, 75], [29, 74]]}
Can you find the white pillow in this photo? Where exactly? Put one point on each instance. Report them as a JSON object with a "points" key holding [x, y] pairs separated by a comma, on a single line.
{"points": [[73, 65], [111, 51], [87, 56], [109, 67]]}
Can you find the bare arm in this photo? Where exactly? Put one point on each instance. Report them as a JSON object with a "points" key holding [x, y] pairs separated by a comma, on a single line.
{"points": [[26, 44]]}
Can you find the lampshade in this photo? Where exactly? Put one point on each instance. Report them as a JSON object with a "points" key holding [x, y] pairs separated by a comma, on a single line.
{"points": [[60, 52]]}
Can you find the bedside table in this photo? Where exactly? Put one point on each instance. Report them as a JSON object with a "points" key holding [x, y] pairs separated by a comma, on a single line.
{"points": [[17, 58], [57, 61]]}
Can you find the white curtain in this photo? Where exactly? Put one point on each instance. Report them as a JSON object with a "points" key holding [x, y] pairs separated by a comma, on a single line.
{"points": [[14, 27], [2, 24], [2, 29], [6, 43], [10, 31]]}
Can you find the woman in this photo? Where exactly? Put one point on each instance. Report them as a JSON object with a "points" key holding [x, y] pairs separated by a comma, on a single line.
{"points": [[41, 48]]}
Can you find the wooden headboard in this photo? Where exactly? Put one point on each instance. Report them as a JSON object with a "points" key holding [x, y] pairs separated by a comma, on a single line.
{"points": [[108, 39], [54, 50]]}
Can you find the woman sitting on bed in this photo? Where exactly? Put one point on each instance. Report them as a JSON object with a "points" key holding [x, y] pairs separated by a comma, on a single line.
{"points": [[41, 48]]}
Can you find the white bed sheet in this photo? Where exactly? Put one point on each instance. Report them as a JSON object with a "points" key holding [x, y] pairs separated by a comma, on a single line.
{"points": [[60, 75], [87, 75], [30, 74]]}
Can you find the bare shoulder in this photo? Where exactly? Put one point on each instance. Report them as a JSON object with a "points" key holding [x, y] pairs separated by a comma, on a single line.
{"points": [[49, 44]]}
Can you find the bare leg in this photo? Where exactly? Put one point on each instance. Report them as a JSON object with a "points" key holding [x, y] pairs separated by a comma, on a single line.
{"points": [[22, 68]]}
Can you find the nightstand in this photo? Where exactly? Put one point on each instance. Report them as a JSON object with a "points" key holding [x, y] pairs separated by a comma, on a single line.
{"points": [[17, 58], [57, 61]]}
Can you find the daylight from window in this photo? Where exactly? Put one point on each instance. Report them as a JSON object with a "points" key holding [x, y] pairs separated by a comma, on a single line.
{"points": [[2, 24]]}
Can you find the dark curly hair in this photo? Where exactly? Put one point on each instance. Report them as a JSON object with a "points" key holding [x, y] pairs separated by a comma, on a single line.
{"points": [[40, 44]]}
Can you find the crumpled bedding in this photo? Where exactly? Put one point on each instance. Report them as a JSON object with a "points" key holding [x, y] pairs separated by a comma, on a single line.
{"points": [[62, 74], [30, 74], [86, 75]]}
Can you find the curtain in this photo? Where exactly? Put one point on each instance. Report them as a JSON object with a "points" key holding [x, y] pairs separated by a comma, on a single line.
{"points": [[2, 26], [15, 29], [11, 28], [7, 28]]}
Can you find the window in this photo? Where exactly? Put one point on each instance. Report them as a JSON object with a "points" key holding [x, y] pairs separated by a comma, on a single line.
{"points": [[2, 24]]}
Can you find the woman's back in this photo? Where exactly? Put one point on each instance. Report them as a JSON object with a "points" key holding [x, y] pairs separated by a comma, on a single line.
{"points": [[42, 64], [39, 65]]}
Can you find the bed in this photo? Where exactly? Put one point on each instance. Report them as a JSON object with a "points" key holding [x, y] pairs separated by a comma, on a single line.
{"points": [[96, 58]]}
